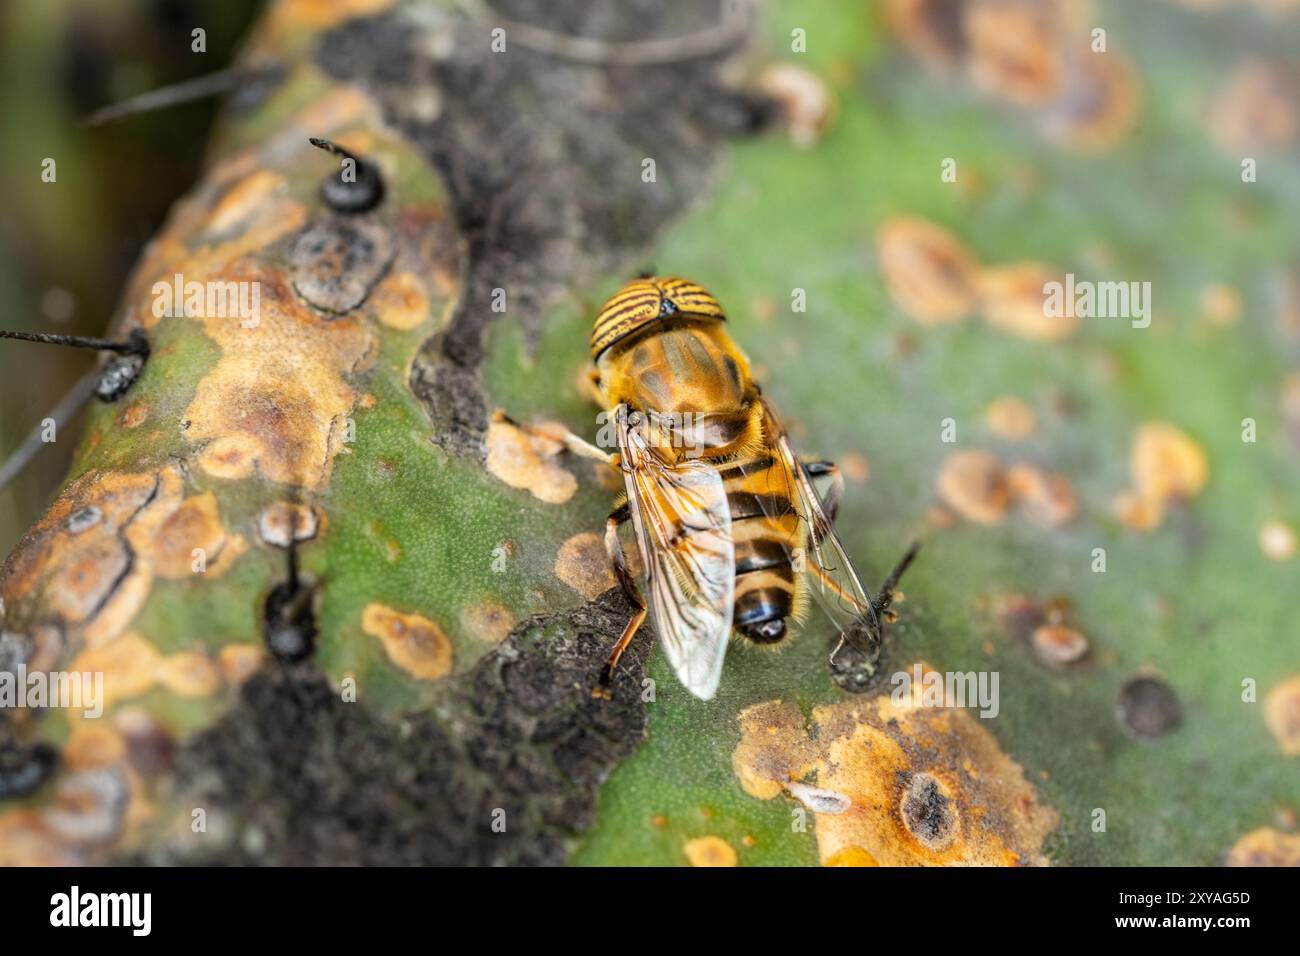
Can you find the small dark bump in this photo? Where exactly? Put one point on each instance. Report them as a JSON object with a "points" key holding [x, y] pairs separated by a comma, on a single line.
{"points": [[289, 622], [927, 812], [24, 769], [1148, 708], [357, 187], [124, 369], [84, 518]]}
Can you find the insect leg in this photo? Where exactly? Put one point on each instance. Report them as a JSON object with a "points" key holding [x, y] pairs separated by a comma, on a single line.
{"points": [[831, 500], [885, 596], [616, 557], [575, 444]]}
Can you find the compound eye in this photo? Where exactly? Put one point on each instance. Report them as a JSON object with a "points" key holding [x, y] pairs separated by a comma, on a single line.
{"points": [[667, 307]]}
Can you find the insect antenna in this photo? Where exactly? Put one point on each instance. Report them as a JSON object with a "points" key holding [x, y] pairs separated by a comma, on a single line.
{"points": [[186, 91], [72, 341], [116, 377], [61, 414], [885, 596]]}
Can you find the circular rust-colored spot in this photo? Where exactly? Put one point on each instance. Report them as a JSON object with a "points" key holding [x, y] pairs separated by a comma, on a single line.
{"points": [[1099, 104], [1265, 847], [1010, 418], [134, 416], [856, 467], [1167, 464], [525, 460], [413, 642], [1148, 708], [927, 812], [1046, 497], [710, 851], [488, 621], [807, 105], [1012, 298], [1221, 304], [1282, 714], [1138, 512], [238, 662], [189, 674], [335, 263], [930, 274], [932, 29], [1058, 645], [974, 484], [1259, 109], [1015, 49], [583, 565], [852, 856], [93, 745], [401, 301]]}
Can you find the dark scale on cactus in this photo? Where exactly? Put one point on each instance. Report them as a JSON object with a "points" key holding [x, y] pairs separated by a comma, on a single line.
{"points": [[357, 187]]}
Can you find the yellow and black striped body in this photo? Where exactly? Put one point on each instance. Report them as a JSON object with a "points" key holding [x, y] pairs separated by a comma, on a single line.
{"points": [[661, 347]]}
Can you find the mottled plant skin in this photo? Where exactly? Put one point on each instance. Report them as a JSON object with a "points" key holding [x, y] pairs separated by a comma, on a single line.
{"points": [[438, 708]]}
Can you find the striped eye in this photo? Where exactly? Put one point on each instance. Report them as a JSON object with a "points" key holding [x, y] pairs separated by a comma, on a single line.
{"points": [[645, 300]]}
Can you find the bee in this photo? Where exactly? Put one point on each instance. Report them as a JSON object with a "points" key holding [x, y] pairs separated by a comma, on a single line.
{"points": [[732, 534]]}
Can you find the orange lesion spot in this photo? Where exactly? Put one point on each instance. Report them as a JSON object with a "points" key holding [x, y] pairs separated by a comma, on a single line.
{"points": [[710, 851], [238, 662], [1168, 467], [926, 785], [1010, 418], [129, 663], [930, 274], [189, 674], [974, 484], [413, 642], [170, 532], [1012, 299], [400, 301], [1282, 714], [488, 621], [527, 460], [1265, 847]]}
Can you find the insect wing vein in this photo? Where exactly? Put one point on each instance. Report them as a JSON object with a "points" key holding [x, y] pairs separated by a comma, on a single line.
{"points": [[683, 526]]}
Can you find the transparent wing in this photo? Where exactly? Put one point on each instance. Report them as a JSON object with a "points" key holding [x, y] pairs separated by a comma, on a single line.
{"points": [[683, 528], [831, 578]]}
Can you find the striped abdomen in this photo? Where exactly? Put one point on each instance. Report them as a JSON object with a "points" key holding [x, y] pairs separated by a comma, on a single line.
{"points": [[767, 587]]}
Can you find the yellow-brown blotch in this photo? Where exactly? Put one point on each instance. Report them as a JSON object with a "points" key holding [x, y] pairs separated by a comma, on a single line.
{"points": [[807, 105], [238, 662], [1282, 714], [1265, 847], [527, 460], [1010, 418], [929, 273], [1012, 299], [488, 621], [710, 851], [974, 484], [413, 642], [583, 564], [926, 785]]}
